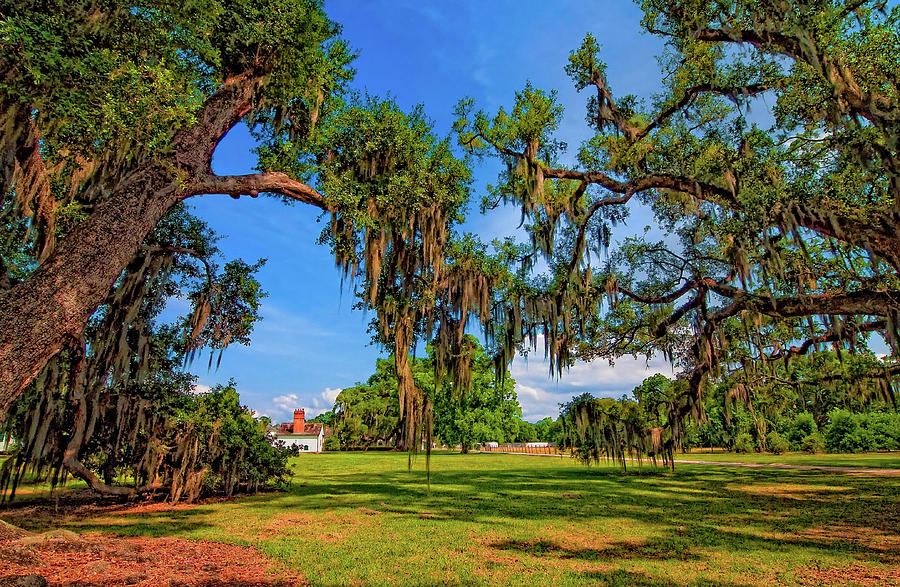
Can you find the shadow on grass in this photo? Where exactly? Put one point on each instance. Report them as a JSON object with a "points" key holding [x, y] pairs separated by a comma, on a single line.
{"points": [[691, 509], [657, 549], [623, 578]]}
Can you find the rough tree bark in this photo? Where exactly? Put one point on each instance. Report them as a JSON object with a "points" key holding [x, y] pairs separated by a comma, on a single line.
{"points": [[39, 316]]}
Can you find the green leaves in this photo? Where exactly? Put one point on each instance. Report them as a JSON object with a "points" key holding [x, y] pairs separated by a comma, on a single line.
{"points": [[534, 116], [585, 66], [770, 163]]}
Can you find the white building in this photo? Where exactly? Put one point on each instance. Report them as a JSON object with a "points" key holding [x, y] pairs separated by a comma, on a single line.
{"points": [[306, 436]]}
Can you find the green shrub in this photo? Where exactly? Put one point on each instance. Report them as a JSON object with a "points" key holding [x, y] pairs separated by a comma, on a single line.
{"points": [[841, 431], [812, 444], [777, 443], [332, 442], [849, 432], [802, 426], [744, 443], [884, 428]]}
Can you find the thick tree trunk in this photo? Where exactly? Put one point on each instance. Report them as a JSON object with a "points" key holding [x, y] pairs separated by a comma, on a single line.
{"points": [[74, 465], [40, 315]]}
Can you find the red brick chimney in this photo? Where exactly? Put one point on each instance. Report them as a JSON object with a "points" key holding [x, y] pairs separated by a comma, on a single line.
{"points": [[299, 421]]}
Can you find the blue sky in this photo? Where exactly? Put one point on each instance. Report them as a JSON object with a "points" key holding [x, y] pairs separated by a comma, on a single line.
{"points": [[310, 343]]}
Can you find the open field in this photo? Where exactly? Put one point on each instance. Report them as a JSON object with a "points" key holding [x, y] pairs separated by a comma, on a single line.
{"points": [[885, 460], [363, 519]]}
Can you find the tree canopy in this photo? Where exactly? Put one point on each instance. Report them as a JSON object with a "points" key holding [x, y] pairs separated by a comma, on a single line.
{"points": [[769, 161], [182, 75], [120, 412]]}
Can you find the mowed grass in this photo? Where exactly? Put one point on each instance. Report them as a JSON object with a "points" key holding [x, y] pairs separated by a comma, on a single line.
{"points": [[30, 490], [363, 519], [885, 460]]}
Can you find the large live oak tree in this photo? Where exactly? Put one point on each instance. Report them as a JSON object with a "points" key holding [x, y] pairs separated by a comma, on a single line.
{"points": [[785, 223], [120, 401], [116, 109]]}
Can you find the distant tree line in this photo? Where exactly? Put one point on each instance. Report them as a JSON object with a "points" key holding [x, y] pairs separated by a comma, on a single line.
{"points": [[368, 415], [815, 403]]}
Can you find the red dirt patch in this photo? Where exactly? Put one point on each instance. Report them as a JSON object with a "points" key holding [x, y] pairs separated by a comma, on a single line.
{"points": [[868, 537], [855, 574], [65, 558], [10, 532]]}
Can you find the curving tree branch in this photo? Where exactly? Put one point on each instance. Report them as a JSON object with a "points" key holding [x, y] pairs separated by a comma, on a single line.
{"points": [[253, 184]]}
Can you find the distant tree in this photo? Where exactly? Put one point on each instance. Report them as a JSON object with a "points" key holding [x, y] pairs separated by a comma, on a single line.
{"points": [[327, 418], [487, 411], [548, 430], [655, 394], [528, 432], [369, 414], [607, 428]]}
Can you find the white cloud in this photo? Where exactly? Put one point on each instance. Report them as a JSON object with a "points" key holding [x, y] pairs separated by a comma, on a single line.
{"points": [[532, 392], [330, 394], [287, 403], [284, 405], [540, 394], [198, 389], [284, 333], [324, 401]]}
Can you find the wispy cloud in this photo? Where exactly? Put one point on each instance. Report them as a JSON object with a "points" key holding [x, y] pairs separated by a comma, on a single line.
{"points": [[284, 333], [314, 403], [287, 403], [540, 394]]}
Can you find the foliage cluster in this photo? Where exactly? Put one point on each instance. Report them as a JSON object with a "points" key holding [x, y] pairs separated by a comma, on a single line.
{"points": [[368, 415], [606, 428], [860, 432], [120, 412], [193, 445], [778, 233], [545, 430]]}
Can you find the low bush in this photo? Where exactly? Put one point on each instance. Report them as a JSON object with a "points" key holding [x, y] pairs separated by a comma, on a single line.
{"points": [[849, 432], [776, 443], [813, 444], [744, 443], [801, 426], [332, 442], [840, 434], [884, 428]]}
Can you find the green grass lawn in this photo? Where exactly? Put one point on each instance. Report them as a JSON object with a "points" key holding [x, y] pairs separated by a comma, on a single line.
{"points": [[28, 490], [886, 460], [362, 518]]}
